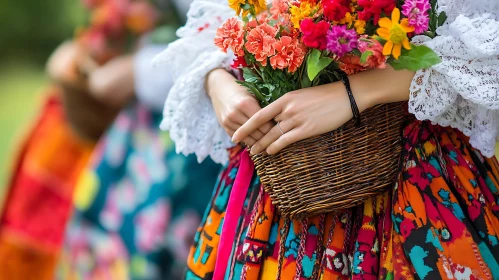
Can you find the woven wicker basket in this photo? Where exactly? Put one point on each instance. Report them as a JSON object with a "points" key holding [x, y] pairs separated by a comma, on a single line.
{"points": [[336, 170]]}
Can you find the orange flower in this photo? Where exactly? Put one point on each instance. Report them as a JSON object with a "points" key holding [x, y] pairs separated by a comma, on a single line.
{"points": [[231, 35], [260, 42], [289, 54], [395, 34], [350, 64]]}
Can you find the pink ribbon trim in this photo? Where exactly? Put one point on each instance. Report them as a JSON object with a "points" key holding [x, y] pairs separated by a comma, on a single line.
{"points": [[233, 213]]}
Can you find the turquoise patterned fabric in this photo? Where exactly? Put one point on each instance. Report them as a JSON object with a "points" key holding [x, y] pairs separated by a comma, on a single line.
{"points": [[138, 205]]}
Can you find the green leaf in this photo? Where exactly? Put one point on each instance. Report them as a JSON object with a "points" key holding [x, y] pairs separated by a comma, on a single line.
{"points": [[245, 7], [305, 82], [356, 52], [442, 17], [316, 63], [253, 89], [419, 57], [250, 76], [365, 55]]}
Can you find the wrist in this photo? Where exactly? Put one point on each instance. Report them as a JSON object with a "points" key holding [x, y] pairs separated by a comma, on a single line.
{"points": [[380, 86], [213, 78], [364, 95]]}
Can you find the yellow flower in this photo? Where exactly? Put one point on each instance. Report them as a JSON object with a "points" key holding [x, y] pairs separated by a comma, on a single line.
{"points": [[395, 34], [360, 26], [348, 19], [258, 6], [300, 13]]}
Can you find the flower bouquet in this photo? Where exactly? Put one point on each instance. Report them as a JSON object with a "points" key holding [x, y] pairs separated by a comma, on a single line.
{"points": [[295, 44], [114, 27]]}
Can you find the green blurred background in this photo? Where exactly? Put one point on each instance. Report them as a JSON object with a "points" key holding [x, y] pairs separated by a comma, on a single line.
{"points": [[29, 32]]}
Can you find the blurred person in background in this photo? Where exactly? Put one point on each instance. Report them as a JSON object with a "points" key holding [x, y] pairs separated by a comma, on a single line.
{"points": [[136, 206]]}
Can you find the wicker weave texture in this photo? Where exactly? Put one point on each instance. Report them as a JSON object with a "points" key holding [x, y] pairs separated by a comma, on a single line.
{"points": [[335, 170]]}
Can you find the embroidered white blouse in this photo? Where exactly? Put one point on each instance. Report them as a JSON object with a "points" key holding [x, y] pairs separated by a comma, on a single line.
{"points": [[462, 91]]}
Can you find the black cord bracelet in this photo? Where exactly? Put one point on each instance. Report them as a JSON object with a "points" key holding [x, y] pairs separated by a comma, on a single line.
{"points": [[353, 104]]}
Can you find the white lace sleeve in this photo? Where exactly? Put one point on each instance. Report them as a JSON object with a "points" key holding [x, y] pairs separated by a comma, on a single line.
{"points": [[463, 90], [188, 113], [151, 86]]}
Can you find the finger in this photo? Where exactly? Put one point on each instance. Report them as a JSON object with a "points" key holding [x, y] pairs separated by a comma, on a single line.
{"points": [[234, 126], [258, 120], [278, 118], [269, 138], [257, 134], [249, 141], [249, 111], [236, 120], [266, 127], [285, 140], [229, 125]]}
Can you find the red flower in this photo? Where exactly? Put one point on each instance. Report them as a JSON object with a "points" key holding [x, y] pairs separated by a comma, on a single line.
{"points": [[374, 8], [314, 34], [335, 10], [239, 62]]}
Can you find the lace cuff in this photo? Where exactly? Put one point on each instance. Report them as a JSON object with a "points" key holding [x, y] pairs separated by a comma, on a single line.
{"points": [[188, 113], [462, 91]]}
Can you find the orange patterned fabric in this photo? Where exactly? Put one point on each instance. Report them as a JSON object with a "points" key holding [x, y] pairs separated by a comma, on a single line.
{"points": [[439, 221], [39, 199]]}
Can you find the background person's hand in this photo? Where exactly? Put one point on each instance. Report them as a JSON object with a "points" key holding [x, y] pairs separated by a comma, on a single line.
{"points": [[90, 107], [113, 82], [234, 105]]}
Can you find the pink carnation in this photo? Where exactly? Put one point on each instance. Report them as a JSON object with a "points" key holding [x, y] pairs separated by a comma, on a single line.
{"points": [[231, 35], [417, 13], [289, 54], [341, 40], [260, 42]]}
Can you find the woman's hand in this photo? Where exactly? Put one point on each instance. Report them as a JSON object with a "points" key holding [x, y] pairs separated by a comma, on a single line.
{"points": [[113, 82], [234, 106], [313, 111], [61, 66], [92, 99]]}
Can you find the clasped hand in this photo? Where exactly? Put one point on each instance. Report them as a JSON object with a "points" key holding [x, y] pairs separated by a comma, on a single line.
{"points": [[299, 114]]}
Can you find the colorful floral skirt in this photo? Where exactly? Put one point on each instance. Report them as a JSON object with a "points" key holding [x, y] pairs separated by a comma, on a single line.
{"points": [[439, 221], [40, 194], [138, 204]]}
